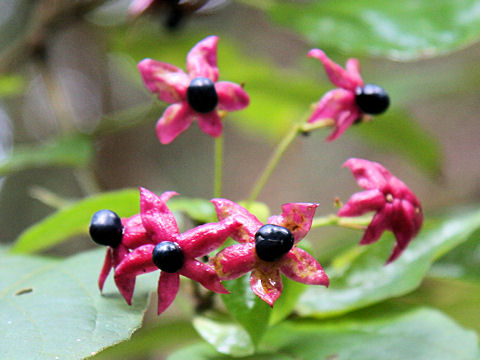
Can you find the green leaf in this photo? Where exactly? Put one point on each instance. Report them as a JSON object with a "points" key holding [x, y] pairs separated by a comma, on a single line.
{"points": [[404, 30], [144, 342], [257, 208], [247, 308], [227, 338], [461, 263], [366, 280], [458, 299], [75, 151], [74, 220], [287, 302], [51, 309], [200, 210], [420, 334], [202, 351], [398, 133]]}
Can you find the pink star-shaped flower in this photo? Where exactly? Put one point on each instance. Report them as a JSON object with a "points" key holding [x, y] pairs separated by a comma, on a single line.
{"points": [[396, 206], [268, 250], [133, 236], [198, 95], [174, 253], [351, 101]]}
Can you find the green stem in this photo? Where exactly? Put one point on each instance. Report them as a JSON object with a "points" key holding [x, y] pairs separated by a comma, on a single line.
{"points": [[217, 184], [273, 162], [280, 150], [357, 223]]}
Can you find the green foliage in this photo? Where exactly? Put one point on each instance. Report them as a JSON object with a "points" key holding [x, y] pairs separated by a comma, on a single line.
{"points": [[463, 262], [404, 30], [420, 334], [363, 279], [457, 298], [145, 341], [74, 151], [74, 220], [53, 308], [200, 210], [227, 337], [247, 308]]}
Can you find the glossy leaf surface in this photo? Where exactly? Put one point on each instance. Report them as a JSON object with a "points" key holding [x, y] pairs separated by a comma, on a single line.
{"points": [[420, 334], [74, 220], [52, 309], [404, 30]]}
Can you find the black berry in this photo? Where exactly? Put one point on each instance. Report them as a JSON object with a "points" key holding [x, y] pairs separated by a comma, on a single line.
{"points": [[201, 95], [272, 242], [372, 99], [168, 256], [106, 228]]}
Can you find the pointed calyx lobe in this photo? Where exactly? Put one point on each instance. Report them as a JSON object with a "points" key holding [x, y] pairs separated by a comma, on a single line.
{"points": [[195, 95], [268, 250], [171, 252], [396, 207], [351, 100]]}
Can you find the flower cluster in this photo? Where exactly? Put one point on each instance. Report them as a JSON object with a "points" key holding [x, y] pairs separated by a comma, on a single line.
{"points": [[151, 240]]}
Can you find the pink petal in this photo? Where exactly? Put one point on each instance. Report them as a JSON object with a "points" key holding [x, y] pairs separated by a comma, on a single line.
{"points": [[300, 266], [204, 274], [134, 234], [363, 202], [137, 262], [137, 7], [234, 261], [333, 104], [400, 190], [266, 283], [369, 174], [404, 226], [338, 76], [168, 285], [204, 239], [157, 218], [296, 217], [353, 68], [343, 122], [250, 224], [167, 81], [231, 96], [113, 257], [338, 105], [210, 123], [107, 266], [379, 223], [202, 59], [175, 120]]}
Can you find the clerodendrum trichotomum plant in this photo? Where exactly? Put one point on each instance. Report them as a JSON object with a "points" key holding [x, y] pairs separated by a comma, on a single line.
{"points": [[151, 240], [252, 283]]}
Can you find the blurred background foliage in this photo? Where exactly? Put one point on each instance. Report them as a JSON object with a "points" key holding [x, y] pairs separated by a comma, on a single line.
{"points": [[76, 120]]}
